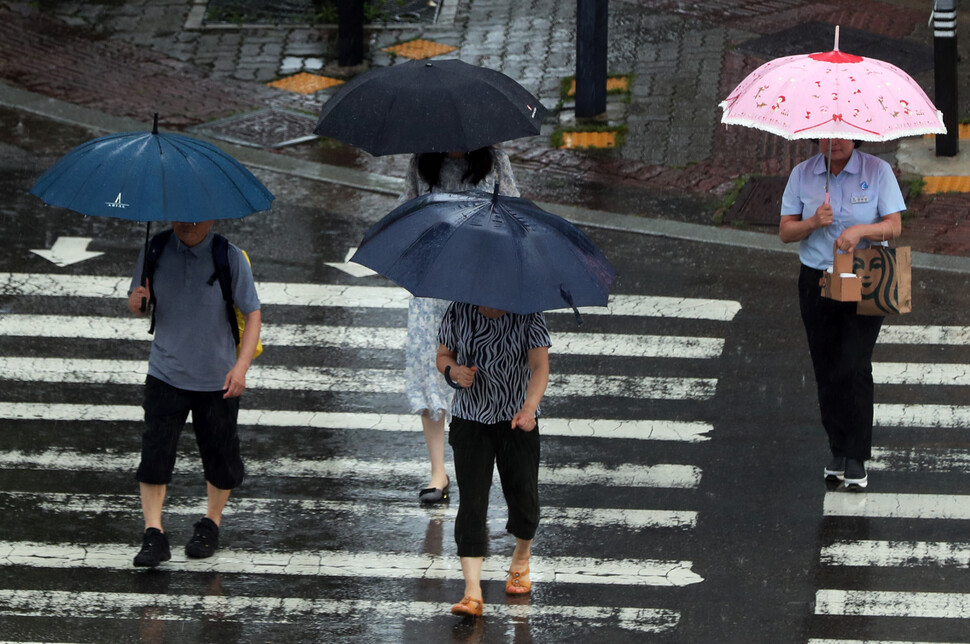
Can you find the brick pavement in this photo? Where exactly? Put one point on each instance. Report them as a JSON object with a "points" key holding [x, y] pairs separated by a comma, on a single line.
{"points": [[132, 57]]}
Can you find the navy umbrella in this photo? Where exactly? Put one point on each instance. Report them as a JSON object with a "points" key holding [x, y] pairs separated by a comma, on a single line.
{"points": [[486, 249], [152, 176], [430, 106]]}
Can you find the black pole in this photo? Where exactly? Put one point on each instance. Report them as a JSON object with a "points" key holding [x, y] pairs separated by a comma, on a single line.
{"points": [[591, 16], [350, 33], [945, 75]]}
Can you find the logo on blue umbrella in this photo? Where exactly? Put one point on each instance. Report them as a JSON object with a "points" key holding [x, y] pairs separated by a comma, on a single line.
{"points": [[116, 203]]}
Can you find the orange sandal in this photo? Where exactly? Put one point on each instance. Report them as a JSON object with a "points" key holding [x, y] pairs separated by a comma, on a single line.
{"points": [[466, 607], [515, 585]]}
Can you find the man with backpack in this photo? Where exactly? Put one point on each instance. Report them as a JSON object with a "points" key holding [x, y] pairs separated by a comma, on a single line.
{"points": [[193, 277]]}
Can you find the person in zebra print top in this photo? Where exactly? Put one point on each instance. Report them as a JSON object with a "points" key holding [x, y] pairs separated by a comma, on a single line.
{"points": [[427, 393], [500, 362]]}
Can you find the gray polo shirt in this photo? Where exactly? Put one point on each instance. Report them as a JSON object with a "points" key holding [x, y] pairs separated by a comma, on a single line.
{"points": [[193, 347]]}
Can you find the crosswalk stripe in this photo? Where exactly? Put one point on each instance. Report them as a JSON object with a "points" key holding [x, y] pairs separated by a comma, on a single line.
{"points": [[816, 640], [876, 603], [132, 372], [903, 554], [563, 570], [917, 459], [663, 430], [915, 373], [380, 338], [568, 517], [235, 608], [335, 295], [886, 505], [894, 415], [662, 476], [918, 334]]}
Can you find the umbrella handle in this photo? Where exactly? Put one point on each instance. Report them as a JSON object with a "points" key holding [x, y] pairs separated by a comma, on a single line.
{"points": [[451, 383], [144, 264], [827, 198]]}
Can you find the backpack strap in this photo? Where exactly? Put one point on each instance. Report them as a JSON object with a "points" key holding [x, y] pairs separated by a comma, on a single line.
{"points": [[220, 257], [155, 248]]}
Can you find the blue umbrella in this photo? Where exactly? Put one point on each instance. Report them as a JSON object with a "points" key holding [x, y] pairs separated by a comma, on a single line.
{"points": [[486, 249], [149, 176]]}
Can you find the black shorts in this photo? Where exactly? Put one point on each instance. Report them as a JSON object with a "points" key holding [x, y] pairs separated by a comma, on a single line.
{"points": [[214, 421]]}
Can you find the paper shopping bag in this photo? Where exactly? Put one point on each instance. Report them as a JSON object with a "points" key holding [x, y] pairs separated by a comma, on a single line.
{"points": [[887, 286]]}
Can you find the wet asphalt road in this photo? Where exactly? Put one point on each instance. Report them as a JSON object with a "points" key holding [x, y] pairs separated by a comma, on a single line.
{"points": [[696, 514]]}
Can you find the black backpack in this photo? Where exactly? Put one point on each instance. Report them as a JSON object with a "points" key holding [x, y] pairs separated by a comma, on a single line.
{"points": [[220, 257]]}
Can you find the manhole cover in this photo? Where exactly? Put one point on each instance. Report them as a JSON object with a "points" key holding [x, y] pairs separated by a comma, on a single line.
{"points": [[759, 202], [277, 12], [271, 128], [811, 37]]}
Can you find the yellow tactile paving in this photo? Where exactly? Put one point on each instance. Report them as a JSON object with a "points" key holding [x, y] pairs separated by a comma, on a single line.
{"points": [[572, 140], [305, 83], [419, 49], [613, 84], [946, 184], [963, 128]]}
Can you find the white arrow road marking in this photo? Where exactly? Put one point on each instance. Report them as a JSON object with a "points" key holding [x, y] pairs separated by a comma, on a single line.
{"points": [[665, 430], [67, 251], [132, 372], [904, 554], [307, 335], [884, 505], [875, 603], [292, 294], [664, 475], [194, 608], [351, 268], [629, 572], [385, 511]]}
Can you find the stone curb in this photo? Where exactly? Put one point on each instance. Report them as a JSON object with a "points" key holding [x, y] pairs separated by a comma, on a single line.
{"points": [[72, 114]]}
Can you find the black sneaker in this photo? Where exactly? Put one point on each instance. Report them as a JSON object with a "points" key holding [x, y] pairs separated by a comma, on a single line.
{"points": [[855, 475], [835, 471], [204, 541], [154, 549]]}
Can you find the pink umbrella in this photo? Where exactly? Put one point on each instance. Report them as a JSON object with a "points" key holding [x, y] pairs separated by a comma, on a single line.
{"points": [[832, 95]]}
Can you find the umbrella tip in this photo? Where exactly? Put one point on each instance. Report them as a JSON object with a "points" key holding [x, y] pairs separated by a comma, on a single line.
{"points": [[155, 124], [836, 38], [495, 192], [568, 297]]}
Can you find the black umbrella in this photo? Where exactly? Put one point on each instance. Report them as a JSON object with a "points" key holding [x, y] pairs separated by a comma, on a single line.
{"points": [[430, 106], [496, 251]]}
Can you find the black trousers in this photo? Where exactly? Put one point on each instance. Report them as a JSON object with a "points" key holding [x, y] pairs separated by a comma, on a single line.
{"points": [[214, 421], [478, 449], [841, 344]]}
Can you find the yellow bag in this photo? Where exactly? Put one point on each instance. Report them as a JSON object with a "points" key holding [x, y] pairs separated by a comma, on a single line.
{"points": [[241, 322]]}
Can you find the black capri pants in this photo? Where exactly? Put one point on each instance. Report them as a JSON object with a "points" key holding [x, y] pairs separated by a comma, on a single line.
{"points": [[214, 421], [478, 448]]}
